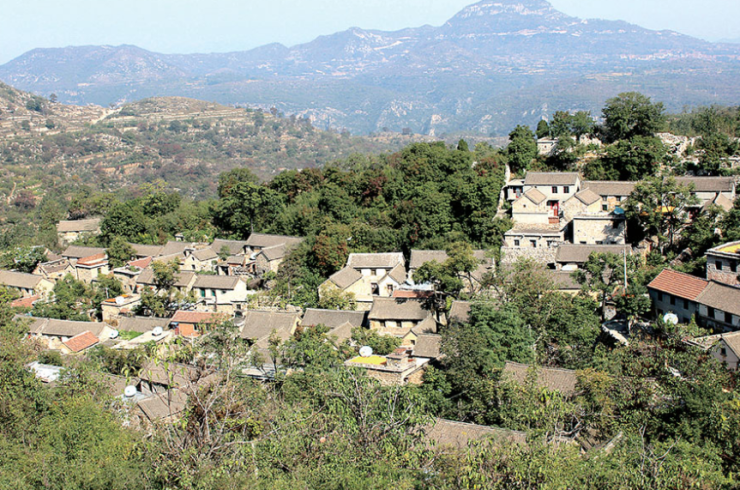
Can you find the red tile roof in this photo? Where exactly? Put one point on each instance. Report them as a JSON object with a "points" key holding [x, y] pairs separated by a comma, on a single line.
{"points": [[141, 263], [92, 259], [81, 341], [24, 302], [678, 284], [195, 317]]}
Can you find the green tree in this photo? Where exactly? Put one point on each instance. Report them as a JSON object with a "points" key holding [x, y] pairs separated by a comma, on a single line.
{"points": [[632, 114], [331, 298], [636, 158], [543, 129], [119, 252], [522, 148]]}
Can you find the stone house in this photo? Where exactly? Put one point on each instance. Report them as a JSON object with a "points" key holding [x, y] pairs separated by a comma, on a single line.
{"points": [[533, 236], [200, 260], [72, 230], [707, 189], [87, 269], [191, 324], [269, 258], [724, 347], [458, 435], [114, 308], [557, 187], [235, 247], [570, 257], [54, 270], [368, 276], [259, 241], [155, 378], [54, 333], [257, 325], [26, 284], [428, 346], [404, 318], [73, 253], [225, 294], [719, 307], [420, 257], [184, 281], [129, 273], [676, 292], [722, 263], [514, 189], [396, 369], [612, 193]]}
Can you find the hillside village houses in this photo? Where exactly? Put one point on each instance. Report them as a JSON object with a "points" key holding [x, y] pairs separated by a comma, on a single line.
{"points": [[72, 230]]}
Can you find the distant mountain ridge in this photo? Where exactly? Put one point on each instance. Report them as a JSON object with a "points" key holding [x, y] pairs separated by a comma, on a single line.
{"points": [[494, 64]]}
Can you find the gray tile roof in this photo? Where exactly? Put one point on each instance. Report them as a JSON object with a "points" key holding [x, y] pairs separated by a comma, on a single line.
{"points": [[427, 345], [551, 178], [708, 184], [236, 247], [275, 252], [553, 379], [163, 405], [182, 279], [721, 297], [76, 252], [257, 325], [66, 328], [398, 309], [609, 188], [262, 240], [141, 323], [346, 277], [205, 254], [569, 253], [460, 311], [375, 261], [535, 196], [19, 279], [146, 250], [587, 197], [333, 318], [204, 281], [398, 274], [175, 248], [174, 375], [420, 257], [563, 280]]}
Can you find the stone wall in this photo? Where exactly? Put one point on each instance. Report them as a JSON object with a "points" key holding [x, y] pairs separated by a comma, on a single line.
{"points": [[543, 255]]}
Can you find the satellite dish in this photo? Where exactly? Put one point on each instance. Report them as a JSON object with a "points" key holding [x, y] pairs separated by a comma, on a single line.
{"points": [[670, 318], [129, 391], [619, 211], [114, 334], [366, 351], [120, 300], [157, 331]]}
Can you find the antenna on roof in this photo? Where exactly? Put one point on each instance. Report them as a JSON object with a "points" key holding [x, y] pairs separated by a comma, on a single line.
{"points": [[129, 391], [366, 351]]}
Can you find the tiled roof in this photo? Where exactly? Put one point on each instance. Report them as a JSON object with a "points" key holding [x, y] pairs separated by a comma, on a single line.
{"points": [[197, 317], [19, 279], [75, 252], [460, 311], [146, 250], [459, 434], [275, 252], [346, 277], [579, 254], [427, 345], [722, 201], [182, 279], [587, 197], [551, 178], [140, 263], [398, 309], [535, 228], [67, 328], [205, 254], [333, 318], [398, 274], [720, 297], [163, 405], [81, 341], [732, 340], [79, 225], [420, 257], [141, 323], [93, 260], [679, 284], [262, 240], [563, 280], [259, 324], [24, 302], [235, 247], [412, 293], [553, 379], [216, 282], [375, 261], [535, 196], [708, 184], [174, 248], [174, 375], [609, 188]]}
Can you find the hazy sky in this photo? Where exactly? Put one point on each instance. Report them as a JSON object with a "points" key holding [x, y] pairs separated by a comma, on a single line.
{"points": [[186, 26]]}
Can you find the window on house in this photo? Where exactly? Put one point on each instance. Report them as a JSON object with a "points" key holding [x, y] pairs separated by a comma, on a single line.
{"points": [[604, 198], [389, 288], [660, 296], [673, 300], [685, 304], [723, 352], [554, 190], [374, 288], [566, 189], [710, 312], [728, 318], [517, 243], [733, 266], [202, 293], [533, 243], [605, 207], [615, 224], [213, 293], [718, 265]]}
